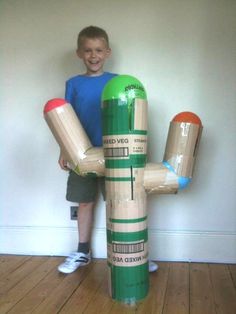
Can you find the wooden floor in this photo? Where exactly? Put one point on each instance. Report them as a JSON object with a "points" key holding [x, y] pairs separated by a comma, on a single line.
{"points": [[33, 285]]}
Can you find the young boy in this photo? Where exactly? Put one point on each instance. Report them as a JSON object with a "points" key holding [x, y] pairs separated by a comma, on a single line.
{"points": [[83, 92]]}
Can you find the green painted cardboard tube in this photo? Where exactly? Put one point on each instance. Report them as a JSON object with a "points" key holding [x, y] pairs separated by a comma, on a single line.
{"points": [[124, 116]]}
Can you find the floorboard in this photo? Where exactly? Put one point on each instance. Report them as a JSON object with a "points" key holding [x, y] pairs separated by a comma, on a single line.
{"points": [[201, 293], [32, 284], [223, 289]]}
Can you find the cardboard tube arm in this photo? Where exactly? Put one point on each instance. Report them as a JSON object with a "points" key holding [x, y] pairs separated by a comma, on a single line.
{"points": [[74, 143], [182, 144], [183, 182], [161, 179], [158, 179], [175, 172], [93, 163]]}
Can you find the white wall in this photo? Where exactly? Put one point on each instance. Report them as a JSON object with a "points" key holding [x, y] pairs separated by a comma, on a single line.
{"points": [[184, 53]]}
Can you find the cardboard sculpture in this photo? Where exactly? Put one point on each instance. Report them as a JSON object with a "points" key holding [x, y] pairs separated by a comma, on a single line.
{"points": [[127, 175]]}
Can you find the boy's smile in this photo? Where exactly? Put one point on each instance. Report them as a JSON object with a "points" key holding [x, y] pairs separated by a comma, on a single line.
{"points": [[94, 52]]}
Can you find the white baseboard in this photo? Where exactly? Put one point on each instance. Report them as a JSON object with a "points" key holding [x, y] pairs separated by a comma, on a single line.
{"points": [[171, 245]]}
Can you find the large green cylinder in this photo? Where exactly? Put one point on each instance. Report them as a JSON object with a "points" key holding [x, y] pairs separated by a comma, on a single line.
{"points": [[124, 116]]}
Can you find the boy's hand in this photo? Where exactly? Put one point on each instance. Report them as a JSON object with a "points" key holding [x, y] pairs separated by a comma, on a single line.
{"points": [[63, 163]]}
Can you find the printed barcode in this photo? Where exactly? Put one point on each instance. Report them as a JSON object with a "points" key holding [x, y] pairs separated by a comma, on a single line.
{"points": [[116, 152], [128, 247]]}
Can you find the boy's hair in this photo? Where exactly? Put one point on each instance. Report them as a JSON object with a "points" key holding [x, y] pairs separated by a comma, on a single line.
{"points": [[92, 32]]}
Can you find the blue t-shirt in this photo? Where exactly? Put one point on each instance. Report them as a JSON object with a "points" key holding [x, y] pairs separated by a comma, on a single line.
{"points": [[84, 94]]}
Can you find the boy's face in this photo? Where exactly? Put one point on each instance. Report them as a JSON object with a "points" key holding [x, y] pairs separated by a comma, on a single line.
{"points": [[94, 52]]}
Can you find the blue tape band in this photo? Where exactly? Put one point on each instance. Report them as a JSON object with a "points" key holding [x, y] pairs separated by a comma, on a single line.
{"points": [[168, 166], [182, 181]]}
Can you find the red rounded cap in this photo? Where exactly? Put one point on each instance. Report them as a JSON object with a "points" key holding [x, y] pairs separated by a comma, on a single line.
{"points": [[54, 103], [188, 117]]}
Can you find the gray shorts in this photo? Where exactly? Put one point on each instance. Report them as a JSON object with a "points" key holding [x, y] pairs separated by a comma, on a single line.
{"points": [[84, 189]]}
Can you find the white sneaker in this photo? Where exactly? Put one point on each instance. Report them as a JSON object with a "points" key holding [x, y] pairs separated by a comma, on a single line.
{"points": [[74, 261], [152, 266]]}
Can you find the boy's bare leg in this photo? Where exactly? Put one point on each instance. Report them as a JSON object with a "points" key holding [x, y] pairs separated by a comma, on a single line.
{"points": [[85, 221], [83, 256]]}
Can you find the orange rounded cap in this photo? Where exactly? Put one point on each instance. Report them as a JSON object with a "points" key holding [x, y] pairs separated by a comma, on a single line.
{"points": [[54, 103], [188, 117]]}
